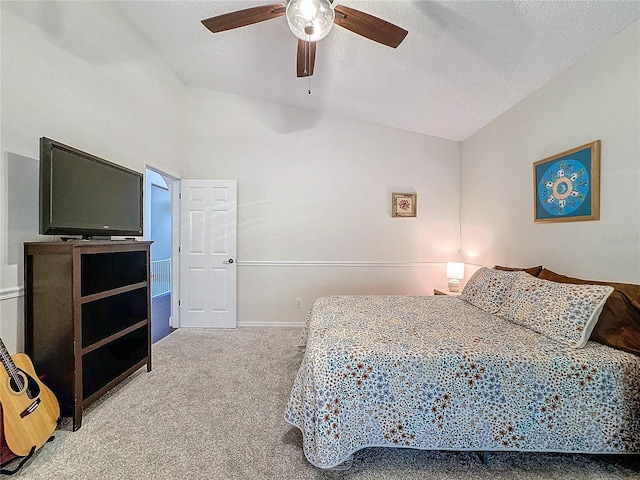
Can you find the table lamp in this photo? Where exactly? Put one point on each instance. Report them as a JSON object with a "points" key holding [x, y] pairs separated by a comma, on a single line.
{"points": [[455, 272]]}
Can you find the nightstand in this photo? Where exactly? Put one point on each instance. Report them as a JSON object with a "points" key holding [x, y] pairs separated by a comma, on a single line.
{"points": [[444, 291]]}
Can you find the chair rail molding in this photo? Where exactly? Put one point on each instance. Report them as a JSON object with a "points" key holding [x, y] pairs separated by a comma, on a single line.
{"points": [[331, 263], [11, 292]]}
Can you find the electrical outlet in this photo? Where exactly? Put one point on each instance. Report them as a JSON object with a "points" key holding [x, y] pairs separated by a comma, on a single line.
{"points": [[298, 303]]}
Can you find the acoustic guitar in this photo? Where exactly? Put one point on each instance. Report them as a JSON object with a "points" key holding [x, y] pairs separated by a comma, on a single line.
{"points": [[30, 411]]}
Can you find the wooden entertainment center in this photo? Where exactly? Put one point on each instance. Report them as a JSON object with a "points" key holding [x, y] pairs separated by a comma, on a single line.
{"points": [[87, 316]]}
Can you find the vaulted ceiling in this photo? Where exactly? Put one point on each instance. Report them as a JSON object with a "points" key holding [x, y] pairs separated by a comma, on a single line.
{"points": [[462, 64]]}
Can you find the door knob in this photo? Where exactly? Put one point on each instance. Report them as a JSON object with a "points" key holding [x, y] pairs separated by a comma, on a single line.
{"points": [[229, 261]]}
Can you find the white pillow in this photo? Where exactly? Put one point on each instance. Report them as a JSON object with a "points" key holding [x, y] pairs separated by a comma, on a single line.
{"points": [[563, 312], [488, 288]]}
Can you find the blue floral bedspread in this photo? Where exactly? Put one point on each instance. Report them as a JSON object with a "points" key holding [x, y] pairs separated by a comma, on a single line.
{"points": [[435, 372]]}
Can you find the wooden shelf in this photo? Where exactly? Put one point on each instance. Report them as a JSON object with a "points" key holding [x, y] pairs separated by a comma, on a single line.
{"points": [[110, 293], [113, 337], [87, 317]]}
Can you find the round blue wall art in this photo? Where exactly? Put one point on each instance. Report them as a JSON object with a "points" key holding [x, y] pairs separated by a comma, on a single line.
{"points": [[567, 186]]}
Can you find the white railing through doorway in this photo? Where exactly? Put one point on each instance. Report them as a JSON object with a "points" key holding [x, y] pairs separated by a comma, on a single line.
{"points": [[160, 277]]}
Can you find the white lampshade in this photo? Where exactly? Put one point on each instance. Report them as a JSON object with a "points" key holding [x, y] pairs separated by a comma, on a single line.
{"points": [[310, 20], [455, 270]]}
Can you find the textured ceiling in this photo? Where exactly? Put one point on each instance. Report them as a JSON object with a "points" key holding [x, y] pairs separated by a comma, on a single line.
{"points": [[462, 64]]}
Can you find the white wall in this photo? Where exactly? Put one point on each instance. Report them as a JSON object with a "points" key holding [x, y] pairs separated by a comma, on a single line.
{"points": [[314, 191], [314, 196], [311, 188], [597, 98], [78, 73]]}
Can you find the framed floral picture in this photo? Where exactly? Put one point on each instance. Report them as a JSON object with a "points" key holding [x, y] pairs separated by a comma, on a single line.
{"points": [[566, 187], [404, 205]]}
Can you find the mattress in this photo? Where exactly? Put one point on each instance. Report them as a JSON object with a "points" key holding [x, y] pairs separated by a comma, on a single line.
{"points": [[435, 372]]}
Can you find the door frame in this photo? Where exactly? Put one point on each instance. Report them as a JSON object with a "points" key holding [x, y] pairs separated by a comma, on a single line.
{"points": [[173, 183]]}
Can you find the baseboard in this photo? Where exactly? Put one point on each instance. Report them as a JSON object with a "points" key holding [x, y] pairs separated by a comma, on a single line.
{"points": [[272, 324]]}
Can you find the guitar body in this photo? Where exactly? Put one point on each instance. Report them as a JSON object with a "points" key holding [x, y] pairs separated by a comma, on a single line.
{"points": [[6, 455], [30, 414]]}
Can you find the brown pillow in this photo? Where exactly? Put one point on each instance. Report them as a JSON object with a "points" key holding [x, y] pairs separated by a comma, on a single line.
{"points": [[619, 322], [535, 271]]}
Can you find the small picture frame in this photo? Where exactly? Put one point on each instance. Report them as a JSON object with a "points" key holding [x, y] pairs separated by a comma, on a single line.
{"points": [[404, 205], [566, 187]]}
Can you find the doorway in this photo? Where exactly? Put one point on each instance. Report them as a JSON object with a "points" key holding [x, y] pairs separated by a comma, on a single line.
{"points": [[158, 228]]}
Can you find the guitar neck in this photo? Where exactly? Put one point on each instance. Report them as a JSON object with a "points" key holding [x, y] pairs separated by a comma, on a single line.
{"points": [[10, 366]]}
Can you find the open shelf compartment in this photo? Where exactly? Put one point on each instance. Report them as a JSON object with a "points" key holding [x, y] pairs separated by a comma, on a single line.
{"points": [[104, 364]]}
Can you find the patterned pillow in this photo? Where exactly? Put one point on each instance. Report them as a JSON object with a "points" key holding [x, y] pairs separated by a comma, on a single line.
{"points": [[619, 322], [488, 288], [563, 312]]}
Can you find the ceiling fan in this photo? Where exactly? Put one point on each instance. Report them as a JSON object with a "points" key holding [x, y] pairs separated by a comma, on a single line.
{"points": [[311, 21]]}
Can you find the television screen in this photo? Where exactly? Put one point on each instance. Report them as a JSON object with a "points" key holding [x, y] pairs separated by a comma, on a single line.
{"points": [[81, 194]]}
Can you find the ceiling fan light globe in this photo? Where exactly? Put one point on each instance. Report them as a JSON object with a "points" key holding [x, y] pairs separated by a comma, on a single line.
{"points": [[304, 16]]}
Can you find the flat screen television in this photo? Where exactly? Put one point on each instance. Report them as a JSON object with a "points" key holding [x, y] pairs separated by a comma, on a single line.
{"points": [[81, 194]]}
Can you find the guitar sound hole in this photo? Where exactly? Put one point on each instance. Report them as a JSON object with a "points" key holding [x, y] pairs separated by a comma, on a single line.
{"points": [[32, 389]]}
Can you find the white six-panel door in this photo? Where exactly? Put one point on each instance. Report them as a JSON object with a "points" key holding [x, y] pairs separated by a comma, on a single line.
{"points": [[208, 216]]}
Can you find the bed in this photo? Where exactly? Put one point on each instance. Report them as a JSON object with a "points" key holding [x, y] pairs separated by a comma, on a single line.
{"points": [[482, 372]]}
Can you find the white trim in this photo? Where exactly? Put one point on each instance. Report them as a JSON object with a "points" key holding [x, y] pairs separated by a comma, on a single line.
{"points": [[172, 179], [11, 292], [163, 170], [330, 263], [272, 324], [175, 188]]}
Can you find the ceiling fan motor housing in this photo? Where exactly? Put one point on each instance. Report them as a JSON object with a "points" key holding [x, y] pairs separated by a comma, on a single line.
{"points": [[310, 20]]}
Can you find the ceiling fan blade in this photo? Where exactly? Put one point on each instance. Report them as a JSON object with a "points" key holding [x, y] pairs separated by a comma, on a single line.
{"points": [[241, 18], [373, 28], [306, 58]]}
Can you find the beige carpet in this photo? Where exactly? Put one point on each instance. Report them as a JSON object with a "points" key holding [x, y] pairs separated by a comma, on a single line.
{"points": [[213, 406]]}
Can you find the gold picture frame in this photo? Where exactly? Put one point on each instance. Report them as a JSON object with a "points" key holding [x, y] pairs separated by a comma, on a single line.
{"points": [[566, 187], [404, 204]]}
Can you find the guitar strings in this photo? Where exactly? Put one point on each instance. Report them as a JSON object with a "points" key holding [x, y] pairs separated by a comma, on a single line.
{"points": [[10, 367]]}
